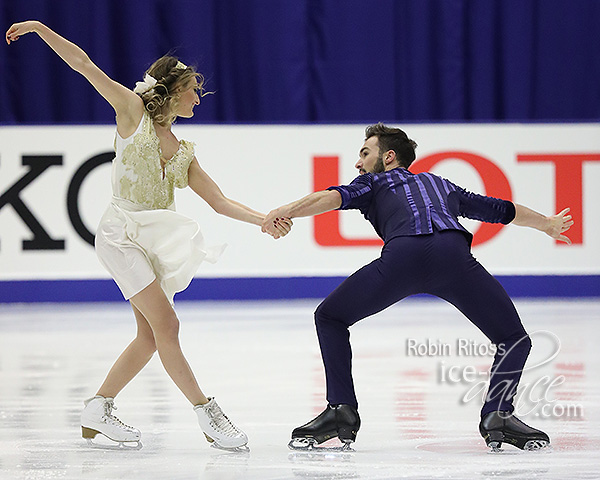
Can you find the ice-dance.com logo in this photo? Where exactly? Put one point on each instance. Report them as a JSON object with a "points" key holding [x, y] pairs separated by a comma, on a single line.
{"points": [[534, 396], [462, 348]]}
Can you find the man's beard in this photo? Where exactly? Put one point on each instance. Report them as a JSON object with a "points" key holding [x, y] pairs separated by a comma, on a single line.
{"points": [[379, 167]]}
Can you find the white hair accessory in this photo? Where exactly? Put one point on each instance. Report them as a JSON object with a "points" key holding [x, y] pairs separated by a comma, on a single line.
{"points": [[148, 84], [181, 65]]}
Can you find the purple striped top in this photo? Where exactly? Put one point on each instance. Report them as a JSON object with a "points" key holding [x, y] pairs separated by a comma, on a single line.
{"points": [[400, 203]]}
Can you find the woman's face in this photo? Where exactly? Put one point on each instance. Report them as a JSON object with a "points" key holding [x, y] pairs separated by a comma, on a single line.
{"points": [[188, 99]]}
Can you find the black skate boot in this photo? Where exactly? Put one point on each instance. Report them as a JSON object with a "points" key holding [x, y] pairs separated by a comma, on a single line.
{"points": [[340, 421], [497, 427]]}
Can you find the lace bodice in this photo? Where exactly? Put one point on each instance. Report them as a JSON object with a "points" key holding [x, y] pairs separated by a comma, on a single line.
{"points": [[137, 173]]}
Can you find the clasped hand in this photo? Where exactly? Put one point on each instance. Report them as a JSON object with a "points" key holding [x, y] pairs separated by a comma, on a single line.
{"points": [[277, 224]]}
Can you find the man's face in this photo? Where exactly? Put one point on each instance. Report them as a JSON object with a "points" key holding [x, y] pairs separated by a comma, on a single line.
{"points": [[369, 158]]}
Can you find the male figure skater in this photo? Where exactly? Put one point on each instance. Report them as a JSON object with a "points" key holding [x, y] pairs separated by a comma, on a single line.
{"points": [[426, 250]]}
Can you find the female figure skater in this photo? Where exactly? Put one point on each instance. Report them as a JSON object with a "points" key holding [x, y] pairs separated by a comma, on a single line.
{"points": [[151, 251]]}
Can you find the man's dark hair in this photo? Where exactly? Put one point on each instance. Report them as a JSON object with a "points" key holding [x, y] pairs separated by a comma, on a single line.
{"points": [[393, 139]]}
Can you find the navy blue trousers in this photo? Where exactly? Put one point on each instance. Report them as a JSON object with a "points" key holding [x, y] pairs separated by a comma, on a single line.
{"points": [[439, 264]]}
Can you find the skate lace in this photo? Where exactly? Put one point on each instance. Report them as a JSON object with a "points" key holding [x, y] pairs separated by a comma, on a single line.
{"points": [[109, 406], [221, 422]]}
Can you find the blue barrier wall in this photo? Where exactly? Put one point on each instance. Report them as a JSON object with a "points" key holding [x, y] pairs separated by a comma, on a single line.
{"points": [[521, 286]]}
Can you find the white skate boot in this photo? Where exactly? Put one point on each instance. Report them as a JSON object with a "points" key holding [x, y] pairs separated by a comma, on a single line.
{"points": [[218, 429], [97, 418]]}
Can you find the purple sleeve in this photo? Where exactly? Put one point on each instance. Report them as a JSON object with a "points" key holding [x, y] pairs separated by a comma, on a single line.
{"points": [[484, 209], [356, 195]]}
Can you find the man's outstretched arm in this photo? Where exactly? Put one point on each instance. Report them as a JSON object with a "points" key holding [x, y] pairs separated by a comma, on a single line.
{"points": [[313, 204], [554, 226]]}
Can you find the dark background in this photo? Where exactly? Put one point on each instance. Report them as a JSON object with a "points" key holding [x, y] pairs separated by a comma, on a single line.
{"points": [[323, 61]]}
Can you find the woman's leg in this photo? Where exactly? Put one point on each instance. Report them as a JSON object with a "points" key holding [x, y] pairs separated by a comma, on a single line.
{"points": [[132, 360], [158, 312], [158, 329], [97, 415]]}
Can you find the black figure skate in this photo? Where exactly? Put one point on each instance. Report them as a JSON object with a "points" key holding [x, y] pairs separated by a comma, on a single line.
{"points": [[340, 421], [498, 427]]}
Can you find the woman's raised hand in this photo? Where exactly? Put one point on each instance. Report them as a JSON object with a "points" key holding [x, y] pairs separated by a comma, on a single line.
{"points": [[19, 29]]}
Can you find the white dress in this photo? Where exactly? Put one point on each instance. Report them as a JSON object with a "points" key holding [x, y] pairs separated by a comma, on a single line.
{"points": [[140, 237]]}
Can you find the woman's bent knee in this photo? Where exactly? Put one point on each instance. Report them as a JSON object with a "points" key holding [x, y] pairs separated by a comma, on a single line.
{"points": [[146, 343], [167, 328]]}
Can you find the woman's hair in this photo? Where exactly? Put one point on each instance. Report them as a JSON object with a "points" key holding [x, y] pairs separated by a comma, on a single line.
{"points": [[171, 77], [393, 139]]}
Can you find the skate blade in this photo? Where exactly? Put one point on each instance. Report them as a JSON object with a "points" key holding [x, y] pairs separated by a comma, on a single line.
{"points": [[311, 445], [91, 435], [218, 446], [115, 445], [240, 449], [495, 447], [537, 445], [530, 446]]}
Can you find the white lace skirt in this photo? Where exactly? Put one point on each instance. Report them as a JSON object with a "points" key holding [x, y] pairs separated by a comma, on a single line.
{"points": [[136, 246]]}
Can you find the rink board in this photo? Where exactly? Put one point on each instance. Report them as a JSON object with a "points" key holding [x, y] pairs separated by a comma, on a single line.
{"points": [[55, 185]]}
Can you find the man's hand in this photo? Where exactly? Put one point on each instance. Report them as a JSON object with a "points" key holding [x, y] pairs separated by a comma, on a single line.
{"points": [[553, 226], [559, 224], [277, 223]]}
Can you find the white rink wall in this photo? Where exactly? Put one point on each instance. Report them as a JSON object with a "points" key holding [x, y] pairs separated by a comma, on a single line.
{"points": [[546, 167]]}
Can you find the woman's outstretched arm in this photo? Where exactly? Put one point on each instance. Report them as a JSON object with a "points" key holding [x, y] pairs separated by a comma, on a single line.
{"points": [[204, 186], [128, 106]]}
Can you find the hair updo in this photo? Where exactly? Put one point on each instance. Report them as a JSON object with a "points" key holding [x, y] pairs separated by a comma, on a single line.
{"points": [[161, 101]]}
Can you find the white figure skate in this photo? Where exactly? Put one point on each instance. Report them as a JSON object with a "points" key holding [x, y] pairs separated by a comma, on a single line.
{"points": [[218, 429], [97, 418]]}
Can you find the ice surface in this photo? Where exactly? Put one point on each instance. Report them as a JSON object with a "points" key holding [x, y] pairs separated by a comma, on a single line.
{"points": [[419, 369]]}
